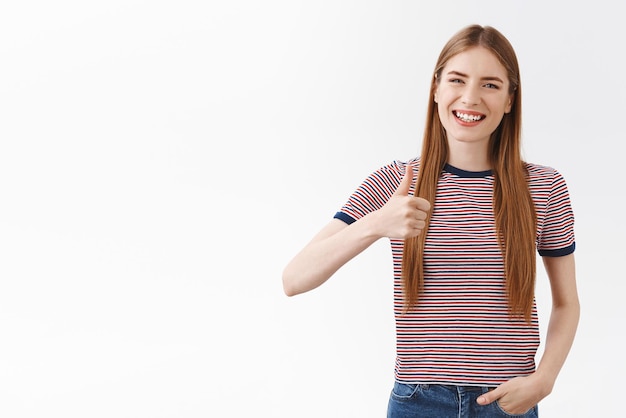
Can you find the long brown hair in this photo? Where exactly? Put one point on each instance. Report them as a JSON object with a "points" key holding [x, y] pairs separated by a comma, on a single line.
{"points": [[513, 207]]}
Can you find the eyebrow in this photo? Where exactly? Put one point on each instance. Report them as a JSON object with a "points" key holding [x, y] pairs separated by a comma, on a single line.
{"points": [[491, 78]]}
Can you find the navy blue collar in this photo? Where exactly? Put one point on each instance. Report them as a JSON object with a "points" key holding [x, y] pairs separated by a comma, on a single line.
{"points": [[463, 173]]}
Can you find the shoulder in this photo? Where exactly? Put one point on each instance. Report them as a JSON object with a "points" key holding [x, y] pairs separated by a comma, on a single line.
{"points": [[547, 185], [398, 167], [386, 178], [538, 173], [538, 169]]}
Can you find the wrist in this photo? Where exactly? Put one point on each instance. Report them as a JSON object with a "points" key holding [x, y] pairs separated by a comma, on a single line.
{"points": [[545, 381]]}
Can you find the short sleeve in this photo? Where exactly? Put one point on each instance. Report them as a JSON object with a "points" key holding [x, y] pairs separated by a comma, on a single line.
{"points": [[556, 227], [374, 191]]}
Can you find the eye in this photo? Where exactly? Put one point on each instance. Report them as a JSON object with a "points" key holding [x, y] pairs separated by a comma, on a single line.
{"points": [[455, 81], [492, 86]]}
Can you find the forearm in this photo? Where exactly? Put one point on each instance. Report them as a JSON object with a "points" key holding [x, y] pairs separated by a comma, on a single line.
{"points": [[559, 339], [334, 246]]}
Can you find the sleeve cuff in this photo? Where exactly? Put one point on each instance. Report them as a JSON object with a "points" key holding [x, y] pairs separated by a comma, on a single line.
{"points": [[343, 217], [559, 252]]}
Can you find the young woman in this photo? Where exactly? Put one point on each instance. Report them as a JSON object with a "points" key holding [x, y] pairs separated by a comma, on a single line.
{"points": [[465, 222]]}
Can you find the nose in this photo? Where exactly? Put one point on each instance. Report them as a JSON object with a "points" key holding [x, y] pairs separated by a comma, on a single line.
{"points": [[471, 95]]}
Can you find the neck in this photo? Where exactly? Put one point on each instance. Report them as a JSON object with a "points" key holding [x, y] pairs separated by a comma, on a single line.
{"points": [[469, 157]]}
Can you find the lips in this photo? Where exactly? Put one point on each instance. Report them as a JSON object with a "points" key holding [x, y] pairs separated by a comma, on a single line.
{"points": [[468, 117]]}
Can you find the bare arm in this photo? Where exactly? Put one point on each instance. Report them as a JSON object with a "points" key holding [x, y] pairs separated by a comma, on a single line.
{"points": [[403, 216], [331, 248], [519, 394], [563, 319]]}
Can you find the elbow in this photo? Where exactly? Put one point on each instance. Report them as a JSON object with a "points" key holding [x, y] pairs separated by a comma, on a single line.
{"points": [[288, 286], [289, 291], [297, 281]]}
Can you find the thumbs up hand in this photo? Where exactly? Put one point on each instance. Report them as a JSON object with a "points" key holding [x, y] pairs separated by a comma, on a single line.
{"points": [[404, 215]]}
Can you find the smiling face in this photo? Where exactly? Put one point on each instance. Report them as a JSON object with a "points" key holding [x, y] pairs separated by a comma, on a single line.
{"points": [[472, 96]]}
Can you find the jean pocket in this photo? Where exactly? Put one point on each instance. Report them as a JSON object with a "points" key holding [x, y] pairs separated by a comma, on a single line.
{"points": [[404, 390], [531, 413]]}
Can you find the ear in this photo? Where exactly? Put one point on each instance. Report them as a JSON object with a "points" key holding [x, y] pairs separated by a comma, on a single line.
{"points": [[435, 97]]}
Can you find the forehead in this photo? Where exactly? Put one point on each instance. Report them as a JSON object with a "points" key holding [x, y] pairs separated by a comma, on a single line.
{"points": [[476, 61]]}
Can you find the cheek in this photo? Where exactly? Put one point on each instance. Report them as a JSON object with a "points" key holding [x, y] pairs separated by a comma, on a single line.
{"points": [[440, 111], [443, 115], [441, 102], [445, 98], [505, 104]]}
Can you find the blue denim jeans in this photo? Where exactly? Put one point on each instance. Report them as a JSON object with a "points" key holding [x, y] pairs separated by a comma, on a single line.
{"points": [[443, 401]]}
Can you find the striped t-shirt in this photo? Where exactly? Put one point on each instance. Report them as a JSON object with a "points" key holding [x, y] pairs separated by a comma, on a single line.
{"points": [[460, 333]]}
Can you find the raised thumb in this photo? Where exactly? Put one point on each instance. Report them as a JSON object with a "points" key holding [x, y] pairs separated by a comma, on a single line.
{"points": [[405, 184]]}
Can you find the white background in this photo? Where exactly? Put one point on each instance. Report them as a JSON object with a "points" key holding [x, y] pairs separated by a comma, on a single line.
{"points": [[161, 162]]}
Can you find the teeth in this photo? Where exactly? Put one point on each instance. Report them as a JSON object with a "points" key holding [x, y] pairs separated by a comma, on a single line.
{"points": [[467, 118]]}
